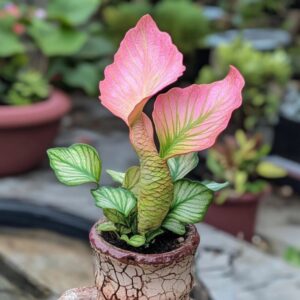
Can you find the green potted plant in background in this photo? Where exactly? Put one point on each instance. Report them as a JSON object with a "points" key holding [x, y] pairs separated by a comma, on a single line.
{"points": [[30, 111], [188, 27], [266, 75], [182, 19], [144, 247], [239, 160]]}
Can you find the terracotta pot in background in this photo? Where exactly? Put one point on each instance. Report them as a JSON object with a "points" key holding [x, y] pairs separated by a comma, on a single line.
{"points": [[236, 216], [27, 131], [122, 274]]}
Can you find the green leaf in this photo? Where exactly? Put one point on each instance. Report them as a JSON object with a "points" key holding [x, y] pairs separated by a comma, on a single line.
{"points": [[116, 176], [181, 165], [114, 216], [84, 76], [77, 164], [10, 44], [135, 240], [107, 226], [269, 170], [240, 181], [150, 236], [72, 12], [174, 225], [124, 229], [215, 186], [119, 199], [54, 40], [191, 201], [95, 47], [132, 179]]}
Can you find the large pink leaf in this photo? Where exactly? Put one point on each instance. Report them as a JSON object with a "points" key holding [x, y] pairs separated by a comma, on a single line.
{"points": [[190, 119], [145, 63]]}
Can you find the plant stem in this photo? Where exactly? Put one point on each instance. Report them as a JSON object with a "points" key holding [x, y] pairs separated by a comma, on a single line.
{"points": [[155, 185]]}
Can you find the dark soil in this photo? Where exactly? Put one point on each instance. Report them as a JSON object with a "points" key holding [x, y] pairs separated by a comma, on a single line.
{"points": [[166, 242]]}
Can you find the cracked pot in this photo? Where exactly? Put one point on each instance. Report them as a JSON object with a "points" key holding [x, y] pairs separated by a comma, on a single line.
{"points": [[122, 274]]}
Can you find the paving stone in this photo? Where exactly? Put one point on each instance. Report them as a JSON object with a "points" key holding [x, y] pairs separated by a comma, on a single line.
{"points": [[235, 270], [279, 222], [49, 259]]}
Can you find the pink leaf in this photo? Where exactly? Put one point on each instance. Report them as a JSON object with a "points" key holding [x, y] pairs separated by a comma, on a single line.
{"points": [[190, 119], [146, 62]]}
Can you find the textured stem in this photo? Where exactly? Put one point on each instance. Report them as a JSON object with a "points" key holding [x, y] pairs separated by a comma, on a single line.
{"points": [[155, 186]]}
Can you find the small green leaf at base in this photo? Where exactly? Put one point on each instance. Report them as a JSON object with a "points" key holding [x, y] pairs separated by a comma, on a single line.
{"points": [[174, 226], [75, 165], [215, 186], [150, 236], [181, 165], [106, 226], [135, 241], [114, 216], [116, 176], [131, 180], [118, 199]]}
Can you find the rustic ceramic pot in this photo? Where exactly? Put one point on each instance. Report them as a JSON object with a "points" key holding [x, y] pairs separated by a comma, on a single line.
{"points": [[27, 131], [121, 274]]}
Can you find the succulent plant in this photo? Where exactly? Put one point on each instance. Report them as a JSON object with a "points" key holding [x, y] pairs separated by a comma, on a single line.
{"points": [[238, 160]]}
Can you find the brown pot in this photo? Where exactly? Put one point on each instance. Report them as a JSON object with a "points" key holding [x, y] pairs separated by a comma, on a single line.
{"points": [[236, 216], [121, 274], [27, 131]]}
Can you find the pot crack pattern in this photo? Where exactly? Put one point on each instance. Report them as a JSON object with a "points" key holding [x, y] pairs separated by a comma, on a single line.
{"points": [[116, 280]]}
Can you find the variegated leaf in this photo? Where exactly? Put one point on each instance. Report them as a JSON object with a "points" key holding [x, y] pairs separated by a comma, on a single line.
{"points": [[77, 164], [116, 176], [181, 165], [191, 201], [174, 225], [107, 226], [135, 240], [190, 119], [132, 179], [118, 199], [215, 186]]}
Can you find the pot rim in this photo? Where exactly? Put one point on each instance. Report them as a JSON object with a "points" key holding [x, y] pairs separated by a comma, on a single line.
{"points": [[189, 247], [51, 109]]}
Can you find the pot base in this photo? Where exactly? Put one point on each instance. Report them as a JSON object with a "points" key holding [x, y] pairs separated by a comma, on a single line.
{"points": [[86, 293]]}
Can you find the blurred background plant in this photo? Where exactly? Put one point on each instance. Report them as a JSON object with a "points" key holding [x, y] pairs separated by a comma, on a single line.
{"points": [[239, 160], [266, 75], [29, 87], [255, 13], [56, 40], [185, 21]]}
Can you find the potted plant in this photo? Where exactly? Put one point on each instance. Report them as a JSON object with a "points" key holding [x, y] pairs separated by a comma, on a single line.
{"points": [[266, 75], [238, 160], [30, 110], [144, 247]]}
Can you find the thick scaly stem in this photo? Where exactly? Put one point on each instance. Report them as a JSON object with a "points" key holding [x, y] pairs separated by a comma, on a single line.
{"points": [[155, 186]]}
